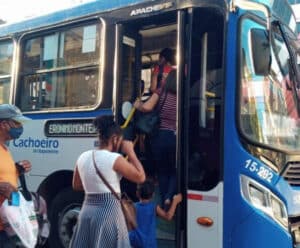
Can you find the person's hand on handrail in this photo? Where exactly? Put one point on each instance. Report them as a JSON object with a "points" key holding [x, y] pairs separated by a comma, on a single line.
{"points": [[128, 118]]}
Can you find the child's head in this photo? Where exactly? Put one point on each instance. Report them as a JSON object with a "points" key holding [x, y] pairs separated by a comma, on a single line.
{"points": [[145, 190]]}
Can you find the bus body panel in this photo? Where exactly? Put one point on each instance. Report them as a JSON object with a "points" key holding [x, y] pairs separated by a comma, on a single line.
{"points": [[236, 222], [292, 195], [252, 223], [208, 204], [253, 227], [263, 236], [49, 154]]}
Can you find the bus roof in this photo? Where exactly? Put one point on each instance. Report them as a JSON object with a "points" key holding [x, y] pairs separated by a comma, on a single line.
{"points": [[98, 6], [65, 15]]}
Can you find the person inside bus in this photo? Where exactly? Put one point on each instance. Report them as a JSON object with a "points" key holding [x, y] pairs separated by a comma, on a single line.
{"points": [[163, 142], [162, 69], [147, 210], [101, 222], [11, 128]]}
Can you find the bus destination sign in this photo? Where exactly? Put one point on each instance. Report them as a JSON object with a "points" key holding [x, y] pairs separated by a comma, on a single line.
{"points": [[70, 128]]}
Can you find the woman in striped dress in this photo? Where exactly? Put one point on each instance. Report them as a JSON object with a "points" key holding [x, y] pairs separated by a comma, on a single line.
{"points": [[101, 223], [163, 143]]}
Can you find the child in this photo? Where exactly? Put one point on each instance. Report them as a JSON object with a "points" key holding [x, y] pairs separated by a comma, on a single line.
{"points": [[144, 235]]}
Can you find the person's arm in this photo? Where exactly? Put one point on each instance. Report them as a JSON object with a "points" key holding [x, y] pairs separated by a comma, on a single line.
{"points": [[25, 164], [6, 189], [169, 215], [153, 85], [76, 182], [148, 105], [154, 77], [132, 168]]}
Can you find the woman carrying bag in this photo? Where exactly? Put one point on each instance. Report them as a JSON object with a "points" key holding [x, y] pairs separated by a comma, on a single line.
{"points": [[101, 222], [163, 142]]}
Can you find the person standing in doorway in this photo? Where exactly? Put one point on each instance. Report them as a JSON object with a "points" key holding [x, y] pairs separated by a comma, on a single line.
{"points": [[162, 69], [163, 142], [11, 128]]}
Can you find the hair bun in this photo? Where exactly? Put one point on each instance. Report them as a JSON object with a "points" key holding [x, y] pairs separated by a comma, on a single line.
{"points": [[104, 122], [106, 127]]}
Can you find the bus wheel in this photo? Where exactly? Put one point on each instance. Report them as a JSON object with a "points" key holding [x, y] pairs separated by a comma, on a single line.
{"points": [[63, 217]]}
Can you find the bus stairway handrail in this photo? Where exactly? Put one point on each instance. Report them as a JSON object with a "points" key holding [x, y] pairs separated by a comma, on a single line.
{"points": [[125, 124], [129, 117]]}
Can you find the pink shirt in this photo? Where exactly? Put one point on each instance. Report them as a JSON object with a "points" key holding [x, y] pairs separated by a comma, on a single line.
{"points": [[166, 71]]}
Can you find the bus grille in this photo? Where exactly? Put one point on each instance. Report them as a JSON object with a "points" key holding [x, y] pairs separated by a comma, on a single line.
{"points": [[295, 229], [292, 173]]}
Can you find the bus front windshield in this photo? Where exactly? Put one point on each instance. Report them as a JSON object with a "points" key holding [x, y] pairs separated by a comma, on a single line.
{"points": [[269, 113]]}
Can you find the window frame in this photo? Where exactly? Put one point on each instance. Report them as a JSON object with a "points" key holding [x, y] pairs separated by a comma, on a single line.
{"points": [[10, 76], [98, 64], [248, 139]]}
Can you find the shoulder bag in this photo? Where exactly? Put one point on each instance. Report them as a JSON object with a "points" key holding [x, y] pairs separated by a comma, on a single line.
{"points": [[148, 122], [127, 204]]}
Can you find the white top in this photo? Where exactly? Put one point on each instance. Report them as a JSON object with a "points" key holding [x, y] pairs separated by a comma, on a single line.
{"points": [[105, 160]]}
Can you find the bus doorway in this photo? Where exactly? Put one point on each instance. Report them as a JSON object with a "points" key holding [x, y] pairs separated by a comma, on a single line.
{"points": [[139, 45], [196, 37]]}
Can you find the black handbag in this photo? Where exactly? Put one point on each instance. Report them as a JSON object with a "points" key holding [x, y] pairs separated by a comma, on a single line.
{"points": [[148, 122]]}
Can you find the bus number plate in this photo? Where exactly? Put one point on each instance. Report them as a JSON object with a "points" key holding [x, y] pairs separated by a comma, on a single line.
{"points": [[259, 170]]}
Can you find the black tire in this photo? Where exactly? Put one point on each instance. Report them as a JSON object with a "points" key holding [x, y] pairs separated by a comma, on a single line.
{"points": [[63, 216]]}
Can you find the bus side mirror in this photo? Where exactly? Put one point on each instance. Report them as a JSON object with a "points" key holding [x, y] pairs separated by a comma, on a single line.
{"points": [[261, 52]]}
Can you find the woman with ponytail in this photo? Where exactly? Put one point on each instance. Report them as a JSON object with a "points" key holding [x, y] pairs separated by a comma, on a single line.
{"points": [[101, 222]]}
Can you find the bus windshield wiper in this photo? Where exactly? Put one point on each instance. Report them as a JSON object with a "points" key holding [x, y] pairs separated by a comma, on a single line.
{"points": [[293, 69]]}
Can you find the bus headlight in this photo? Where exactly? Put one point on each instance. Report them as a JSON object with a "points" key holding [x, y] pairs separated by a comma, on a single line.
{"points": [[279, 211], [257, 196], [263, 199]]}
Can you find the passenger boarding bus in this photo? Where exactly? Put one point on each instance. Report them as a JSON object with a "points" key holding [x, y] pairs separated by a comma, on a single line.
{"points": [[238, 127]]}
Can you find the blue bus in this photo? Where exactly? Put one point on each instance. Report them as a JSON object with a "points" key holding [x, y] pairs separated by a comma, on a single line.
{"points": [[238, 143]]}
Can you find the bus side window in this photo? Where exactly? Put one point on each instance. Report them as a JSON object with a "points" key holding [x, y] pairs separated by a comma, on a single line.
{"points": [[60, 70], [84, 88], [6, 52]]}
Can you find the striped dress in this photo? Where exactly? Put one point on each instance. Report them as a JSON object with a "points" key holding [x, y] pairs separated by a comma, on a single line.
{"points": [[101, 222]]}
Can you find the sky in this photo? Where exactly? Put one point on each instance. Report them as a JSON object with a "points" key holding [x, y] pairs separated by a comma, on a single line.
{"points": [[16, 10], [296, 9]]}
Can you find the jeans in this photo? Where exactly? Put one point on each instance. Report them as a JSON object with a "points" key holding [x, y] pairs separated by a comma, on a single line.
{"points": [[163, 146], [5, 242]]}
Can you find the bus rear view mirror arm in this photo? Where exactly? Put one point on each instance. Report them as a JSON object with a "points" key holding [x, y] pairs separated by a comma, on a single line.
{"points": [[249, 5]]}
